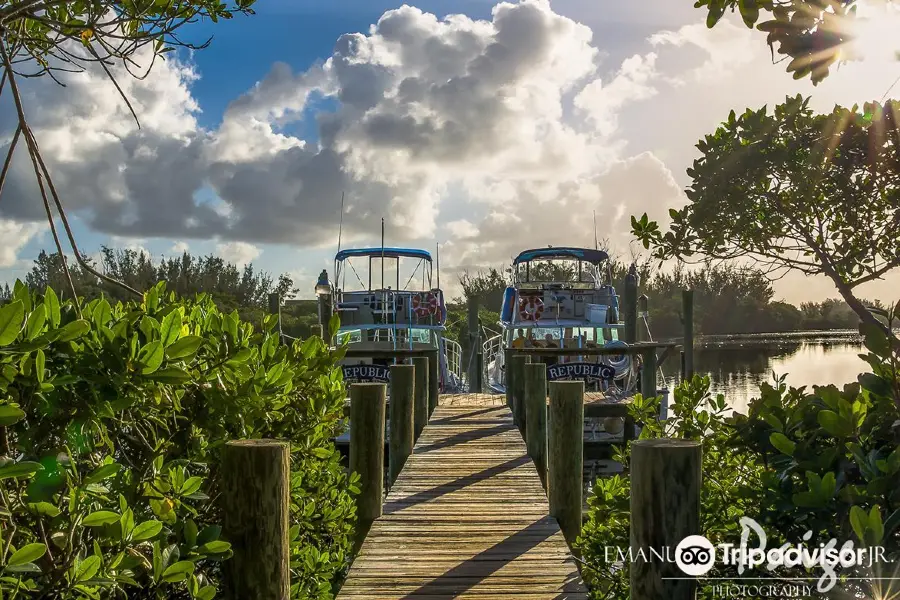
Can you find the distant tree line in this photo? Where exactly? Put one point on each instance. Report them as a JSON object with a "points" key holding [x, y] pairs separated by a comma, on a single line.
{"points": [[231, 287], [728, 299]]}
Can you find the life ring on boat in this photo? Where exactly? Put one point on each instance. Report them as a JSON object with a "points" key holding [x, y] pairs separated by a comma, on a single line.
{"points": [[531, 308], [425, 304]]}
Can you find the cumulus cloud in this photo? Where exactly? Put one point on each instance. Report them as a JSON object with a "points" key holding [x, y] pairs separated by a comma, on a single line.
{"points": [[15, 236], [239, 253]]}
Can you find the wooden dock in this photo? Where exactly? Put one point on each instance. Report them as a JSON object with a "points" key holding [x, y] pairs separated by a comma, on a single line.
{"points": [[466, 518]]}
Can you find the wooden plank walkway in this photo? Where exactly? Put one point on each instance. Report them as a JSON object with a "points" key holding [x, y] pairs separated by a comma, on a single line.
{"points": [[466, 518]]}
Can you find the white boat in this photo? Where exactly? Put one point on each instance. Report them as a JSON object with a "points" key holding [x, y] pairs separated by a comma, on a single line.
{"points": [[563, 297], [390, 316]]}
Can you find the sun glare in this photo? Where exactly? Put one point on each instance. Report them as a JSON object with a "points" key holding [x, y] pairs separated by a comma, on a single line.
{"points": [[876, 32]]}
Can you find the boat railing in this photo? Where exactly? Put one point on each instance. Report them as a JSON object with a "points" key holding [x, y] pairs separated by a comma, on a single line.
{"points": [[454, 357], [492, 351]]}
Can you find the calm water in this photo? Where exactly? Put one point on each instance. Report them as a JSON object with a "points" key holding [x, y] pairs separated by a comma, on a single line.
{"points": [[737, 365]]}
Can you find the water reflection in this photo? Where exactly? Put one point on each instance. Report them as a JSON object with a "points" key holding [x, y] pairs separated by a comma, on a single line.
{"points": [[738, 366]]}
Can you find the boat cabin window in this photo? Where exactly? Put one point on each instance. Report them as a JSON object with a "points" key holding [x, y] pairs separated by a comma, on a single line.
{"points": [[558, 270], [368, 272], [417, 335], [532, 337]]}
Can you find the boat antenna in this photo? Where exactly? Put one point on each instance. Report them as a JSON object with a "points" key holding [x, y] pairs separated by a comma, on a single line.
{"points": [[596, 243], [382, 252], [437, 259], [341, 225]]}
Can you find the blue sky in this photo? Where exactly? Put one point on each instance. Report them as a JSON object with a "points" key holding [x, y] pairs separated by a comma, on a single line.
{"points": [[599, 110]]}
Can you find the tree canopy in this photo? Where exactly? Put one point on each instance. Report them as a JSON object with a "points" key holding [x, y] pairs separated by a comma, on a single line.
{"points": [[795, 190], [813, 33]]}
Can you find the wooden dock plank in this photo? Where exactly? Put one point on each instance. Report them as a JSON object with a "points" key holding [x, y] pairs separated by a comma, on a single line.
{"points": [[467, 518]]}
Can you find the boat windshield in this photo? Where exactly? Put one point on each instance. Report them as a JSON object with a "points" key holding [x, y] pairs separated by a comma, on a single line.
{"points": [[417, 335], [557, 270], [367, 272], [541, 336]]}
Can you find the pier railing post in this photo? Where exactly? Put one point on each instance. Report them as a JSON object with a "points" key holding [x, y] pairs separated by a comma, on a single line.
{"points": [[648, 373], [566, 455], [629, 305], [420, 408], [367, 412], [643, 330], [516, 373], [403, 379], [535, 377], [434, 381], [687, 309], [275, 309], [665, 509], [256, 481]]}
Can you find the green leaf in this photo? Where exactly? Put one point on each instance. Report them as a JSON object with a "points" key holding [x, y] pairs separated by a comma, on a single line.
{"points": [[40, 363], [858, 521], [100, 518], [782, 443], [102, 473], [151, 357], [26, 554], [178, 572], [146, 530], [102, 314], [87, 568], [834, 424], [20, 469], [170, 328], [51, 301], [35, 323], [11, 317], [44, 508], [875, 526], [184, 347], [217, 547], [170, 375], [10, 415], [206, 593], [74, 330]]}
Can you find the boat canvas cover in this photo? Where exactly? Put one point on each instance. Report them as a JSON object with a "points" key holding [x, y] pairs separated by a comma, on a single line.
{"points": [[585, 254], [386, 252]]}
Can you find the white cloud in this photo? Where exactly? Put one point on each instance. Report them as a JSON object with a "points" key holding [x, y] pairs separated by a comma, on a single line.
{"points": [[239, 253], [15, 236], [179, 248]]}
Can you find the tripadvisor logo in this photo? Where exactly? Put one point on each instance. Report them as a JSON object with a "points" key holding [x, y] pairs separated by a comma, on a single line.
{"points": [[695, 555]]}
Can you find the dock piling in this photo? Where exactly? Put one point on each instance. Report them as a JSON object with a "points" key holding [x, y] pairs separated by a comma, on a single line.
{"points": [[256, 481], [515, 372], [566, 457], [535, 377], [403, 378], [367, 413], [665, 509], [420, 408], [648, 373]]}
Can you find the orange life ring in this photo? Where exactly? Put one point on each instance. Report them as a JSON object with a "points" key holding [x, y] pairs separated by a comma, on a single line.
{"points": [[531, 308], [425, 304]]}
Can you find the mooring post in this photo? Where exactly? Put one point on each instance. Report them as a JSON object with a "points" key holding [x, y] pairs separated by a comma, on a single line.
{"points": [[648, 373], [629, 305], [403, 379], [474, 345], [665, 509], [367, 412], [687, 308], [420, 404], [316, 330], [256, 481], [566, 456], [434, 381], [535, 377], [516, 372], [643, 328]]}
